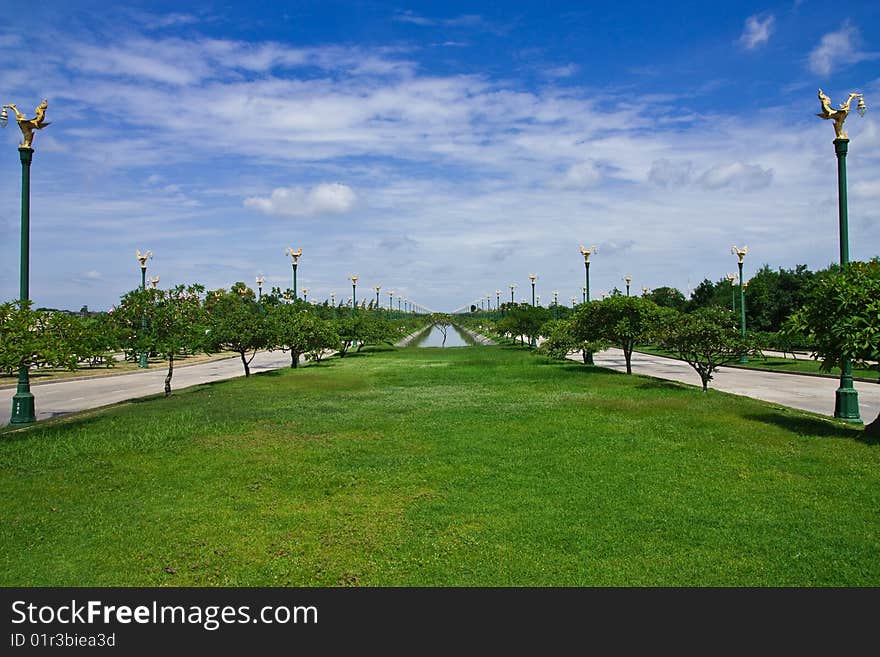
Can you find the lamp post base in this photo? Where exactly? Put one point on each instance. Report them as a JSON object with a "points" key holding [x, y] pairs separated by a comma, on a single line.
{"points": [[23, 408], [846, 405]]}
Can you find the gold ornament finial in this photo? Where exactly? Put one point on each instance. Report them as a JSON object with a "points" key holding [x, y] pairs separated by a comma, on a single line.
{"points": [[739, 253], [143, 257], [293, 254], [260, 280], [588, 252], [154, 281], [839, 115], [26, 125]]}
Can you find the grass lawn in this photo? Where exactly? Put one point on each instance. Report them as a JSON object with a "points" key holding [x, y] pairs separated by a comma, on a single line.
{"points": [[470, 466], [804, 364]]}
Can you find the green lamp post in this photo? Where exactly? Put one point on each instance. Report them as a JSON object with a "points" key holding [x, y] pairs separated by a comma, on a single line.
{"points": [[846, 399], [23, 406], [645, 290], [142, 258], [587, 253], [295, 255], [305, 292], [390, 301], [377, 288], [740, 254], [260, 280], [627, 279], [512, 288], [555, 304], [730, 279], [354, 283], [573, 301], [533, 278]]}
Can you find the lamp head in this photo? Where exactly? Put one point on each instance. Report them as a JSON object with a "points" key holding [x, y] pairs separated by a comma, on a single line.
{"points": [[533, 278], [861, 108], [143, 257], [4, 117], [628, 279], [739, 253]]}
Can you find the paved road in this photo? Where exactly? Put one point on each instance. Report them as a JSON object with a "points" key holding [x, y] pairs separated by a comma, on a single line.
{"points": [[63, 397], [809, 393]]}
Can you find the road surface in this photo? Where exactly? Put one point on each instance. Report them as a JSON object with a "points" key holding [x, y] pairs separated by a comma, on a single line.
{"points": [[63, 397], [808, 393]]}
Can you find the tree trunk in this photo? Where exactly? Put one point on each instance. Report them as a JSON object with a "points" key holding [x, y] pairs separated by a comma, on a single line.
{"points": [[705, 381], [294, 359], [584, 355], [627, 354], [169, 375], [247, 368]]}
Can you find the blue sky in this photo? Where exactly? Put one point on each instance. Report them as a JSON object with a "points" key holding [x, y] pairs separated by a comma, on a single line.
{"points": [[443, 150]]}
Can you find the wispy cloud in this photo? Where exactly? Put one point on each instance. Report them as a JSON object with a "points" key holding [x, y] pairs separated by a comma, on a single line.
{"points": [[838, 49], [757, 31], [464, 20]]}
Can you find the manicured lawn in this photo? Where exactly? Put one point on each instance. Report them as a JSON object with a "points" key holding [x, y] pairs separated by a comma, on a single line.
{"points": [[469, 466]]}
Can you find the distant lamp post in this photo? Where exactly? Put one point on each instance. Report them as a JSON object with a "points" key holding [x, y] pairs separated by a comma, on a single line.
{"points": [[846, 401], [573, 301], [533, 278], [645, 291], [354, 283], [260, 280], [142, 258], [740, 255], [730, 279], [587, 253], [23, 406], [512, 288], [391, 300], [628, 280], [555, 304], [295, 255], [305, 294], [377, 288], [154, 281], [603, 295], [584, 291], [497, 300]]}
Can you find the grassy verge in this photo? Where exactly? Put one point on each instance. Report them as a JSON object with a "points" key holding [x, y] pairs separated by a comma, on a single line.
{"points": [[477, 466], [804, 365]]}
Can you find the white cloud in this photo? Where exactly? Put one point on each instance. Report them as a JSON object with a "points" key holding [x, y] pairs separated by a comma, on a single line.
{"points": [[667, 173], [581, 176], [757, 31], [837, 49], [562, 71], [92, 275], [326, 198], [744, 177]]}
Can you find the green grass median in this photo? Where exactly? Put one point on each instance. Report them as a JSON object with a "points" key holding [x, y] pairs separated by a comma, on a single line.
{"points": [[474, 466]]}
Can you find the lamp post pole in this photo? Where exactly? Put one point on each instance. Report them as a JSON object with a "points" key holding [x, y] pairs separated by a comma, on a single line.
{"points": [[305, 294], [533, 278], [23, 406], [628, 280], [354, 303], [512, 288], [377, 288], [142, 258], [740, 254], [295, 255], [846, 399], [730, 279], [260, 280], [587, 253], [555, 304]]}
